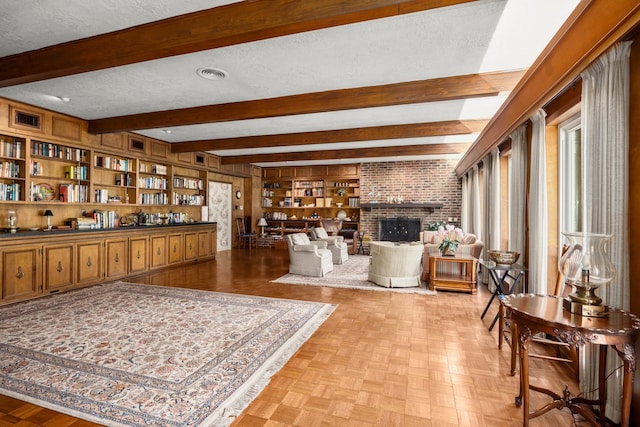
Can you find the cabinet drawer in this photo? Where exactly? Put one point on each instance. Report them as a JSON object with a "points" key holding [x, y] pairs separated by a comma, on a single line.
{"points": [[89, 262]]}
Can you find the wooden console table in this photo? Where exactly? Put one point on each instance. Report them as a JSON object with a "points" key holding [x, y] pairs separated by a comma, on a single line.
{"points": [[465, 281], [531, 314]]}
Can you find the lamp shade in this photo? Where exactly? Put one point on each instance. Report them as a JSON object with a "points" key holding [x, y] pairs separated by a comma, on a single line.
{"points": [[48, 213], [262, 222]]}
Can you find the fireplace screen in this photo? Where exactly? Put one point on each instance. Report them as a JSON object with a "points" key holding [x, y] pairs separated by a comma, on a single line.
{"points": [[401, 229]]}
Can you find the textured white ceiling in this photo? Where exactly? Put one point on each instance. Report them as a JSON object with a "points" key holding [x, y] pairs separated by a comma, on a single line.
{"points": [[483, 36]]}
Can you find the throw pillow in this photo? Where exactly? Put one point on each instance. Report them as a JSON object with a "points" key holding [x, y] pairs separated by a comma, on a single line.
{"points": [[469, 239], [300, 239], [321, 233]]}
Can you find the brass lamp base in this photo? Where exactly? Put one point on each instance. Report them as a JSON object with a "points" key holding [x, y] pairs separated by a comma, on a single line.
{"points": [[582, 309]]}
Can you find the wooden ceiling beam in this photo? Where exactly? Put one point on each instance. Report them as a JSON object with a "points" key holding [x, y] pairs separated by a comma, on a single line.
{"points": [[412, 130], [420, 91], [351, 153], [228, 25]]}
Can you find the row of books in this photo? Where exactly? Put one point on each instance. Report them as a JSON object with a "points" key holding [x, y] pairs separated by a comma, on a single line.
{"points": [[115, 163], [105, 219], [354, 202], [190, 183], [157, 169], [124, 180], [153, 199], [9, 169], [10, 192], [188, 199], [308, 184], [152, 182], [46, 149], [10, 149], [73, 193], [76, 172], [309, 192], [101, 195]]}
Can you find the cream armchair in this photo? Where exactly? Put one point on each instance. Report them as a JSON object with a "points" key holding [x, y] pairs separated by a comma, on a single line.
{"points": [[308, 258], [395, 266], [469, 245], [336, 244]]}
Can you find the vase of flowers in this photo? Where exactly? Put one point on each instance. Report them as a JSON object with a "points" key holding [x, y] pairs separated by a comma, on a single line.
{"points": [[450, 237]]}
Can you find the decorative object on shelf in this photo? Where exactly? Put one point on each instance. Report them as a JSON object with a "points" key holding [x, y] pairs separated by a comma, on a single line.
{"points": [[342, 192], [504, 257], [586, 266], [262, 223], [12, 222], [46, 191], [341, 215], [48, 214], [449, 237]]}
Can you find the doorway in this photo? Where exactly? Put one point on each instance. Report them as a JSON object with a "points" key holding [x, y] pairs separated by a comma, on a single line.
{"points": [[220, 211]]}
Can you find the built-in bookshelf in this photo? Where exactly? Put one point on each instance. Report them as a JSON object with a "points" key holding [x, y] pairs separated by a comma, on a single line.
{"points": [[12, 168], [114, 179], [153, 184], [58, 172], [188, 187]]}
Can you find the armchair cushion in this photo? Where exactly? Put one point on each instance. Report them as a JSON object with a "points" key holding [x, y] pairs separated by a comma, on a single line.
{"points": [[320, 233]]}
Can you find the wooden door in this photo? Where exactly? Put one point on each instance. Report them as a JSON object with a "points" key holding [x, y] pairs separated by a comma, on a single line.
{"points": [[175, 248], [117, 258], [20, 273], [58, 267], [89, 256], [158, 251], [138, 254], [203, 244], [190, 246]]}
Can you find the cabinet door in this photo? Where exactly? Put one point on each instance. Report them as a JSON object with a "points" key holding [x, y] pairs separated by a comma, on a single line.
{"points": [[203, 244], [58, 267], [89, 262], [190, 246], [20, 272], [175, 248], [138, 254], [158, 251], [117, 258]]}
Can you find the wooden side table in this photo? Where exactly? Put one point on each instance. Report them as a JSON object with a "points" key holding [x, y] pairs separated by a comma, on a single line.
{"points": [[544, 313], [466, 281]]}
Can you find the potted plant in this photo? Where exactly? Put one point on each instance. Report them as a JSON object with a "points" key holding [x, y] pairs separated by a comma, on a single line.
{"points": [[450, 237]]}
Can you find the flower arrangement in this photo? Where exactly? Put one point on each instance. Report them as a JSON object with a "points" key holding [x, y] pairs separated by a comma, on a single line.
{"points": [[450, 237]]}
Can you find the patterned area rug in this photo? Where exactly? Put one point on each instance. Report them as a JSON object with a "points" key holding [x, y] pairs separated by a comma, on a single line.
{"points": [[122, 354], [352, 274]]}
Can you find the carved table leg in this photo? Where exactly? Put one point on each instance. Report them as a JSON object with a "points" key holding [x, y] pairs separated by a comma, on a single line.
{"points": [[627, 353]]}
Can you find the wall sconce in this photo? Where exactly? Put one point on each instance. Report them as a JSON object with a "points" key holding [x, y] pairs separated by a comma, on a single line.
{"points": [[262, 223], [48, 214]]}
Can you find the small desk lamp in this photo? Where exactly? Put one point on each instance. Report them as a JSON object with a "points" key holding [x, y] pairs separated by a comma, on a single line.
{"points": [[48, 214], [262, 223]]}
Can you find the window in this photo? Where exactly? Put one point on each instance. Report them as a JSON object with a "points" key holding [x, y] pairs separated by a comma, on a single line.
{"points": [[570, 175]]}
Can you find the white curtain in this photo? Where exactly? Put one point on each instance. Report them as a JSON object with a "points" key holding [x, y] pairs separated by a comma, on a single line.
{"points": [[538, 212], [605, 145], [491, 208], [518, 191], [464, 209], [475, 226]]}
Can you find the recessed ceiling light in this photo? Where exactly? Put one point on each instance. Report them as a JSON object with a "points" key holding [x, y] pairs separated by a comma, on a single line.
{"points": [[63, 98], [166, 130], [212, 73]]}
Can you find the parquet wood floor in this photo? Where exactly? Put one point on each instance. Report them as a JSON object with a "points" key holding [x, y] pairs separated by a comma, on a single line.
{"points": [[382, 358]]}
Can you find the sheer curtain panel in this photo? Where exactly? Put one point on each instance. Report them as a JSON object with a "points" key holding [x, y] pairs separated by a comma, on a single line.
{"points": [[538, 214]]}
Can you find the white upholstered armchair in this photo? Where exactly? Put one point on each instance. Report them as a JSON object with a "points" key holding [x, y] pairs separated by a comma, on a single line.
{"points": [[308, 258], [395, 266], [336, 244]]}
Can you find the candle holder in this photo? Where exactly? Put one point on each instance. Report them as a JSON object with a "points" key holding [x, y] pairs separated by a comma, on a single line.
{"points": [[586, 266]]}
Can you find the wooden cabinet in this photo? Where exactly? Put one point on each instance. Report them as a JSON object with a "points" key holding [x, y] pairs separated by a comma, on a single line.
{"points": [[58, 267], [20, 272], [89, 265], [190, 246], [138, 254], [214, 243], [116, 257], [175, 248], [158, 252]]}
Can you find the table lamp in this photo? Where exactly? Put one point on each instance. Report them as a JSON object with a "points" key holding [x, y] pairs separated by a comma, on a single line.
{"points": [[262, 223], [48, 214], [586, 266]]}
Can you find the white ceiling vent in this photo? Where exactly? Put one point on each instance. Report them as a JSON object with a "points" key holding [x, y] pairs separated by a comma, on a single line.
{"points": [[212, 73]]}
